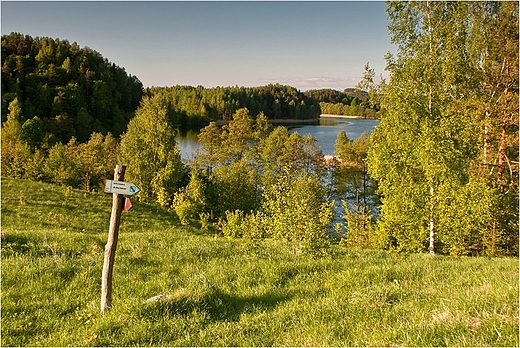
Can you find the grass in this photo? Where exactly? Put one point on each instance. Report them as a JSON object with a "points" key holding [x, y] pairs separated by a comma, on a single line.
{"points": [[221, 293]]}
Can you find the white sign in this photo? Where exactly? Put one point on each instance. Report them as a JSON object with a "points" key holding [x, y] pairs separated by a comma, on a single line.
{"points": [[121, 187]]}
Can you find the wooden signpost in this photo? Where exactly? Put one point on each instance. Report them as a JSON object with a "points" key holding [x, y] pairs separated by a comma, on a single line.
{"points": [[118, 188]]}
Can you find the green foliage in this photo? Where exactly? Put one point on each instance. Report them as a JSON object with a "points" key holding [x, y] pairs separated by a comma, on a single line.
{"points": [[467, 213], [233, 226], [375, 91], [198, 105], [84, 166], [348, 110], [294, 209], [238, 137], [33, 132], [347, 103], [149, 150], [249, 227], [210, 138], [195, 199], [328, 95], [425, 149], [228, 154], [15, 151], [184, 207], [360, 228], [51, 78], [61, 166], [246, 163], [237, 187], [289, 154], [350, 180], [352, 153], [97, 159]]}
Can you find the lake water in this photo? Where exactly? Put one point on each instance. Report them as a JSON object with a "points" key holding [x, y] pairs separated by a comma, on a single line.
{"points": [[325, 134]]}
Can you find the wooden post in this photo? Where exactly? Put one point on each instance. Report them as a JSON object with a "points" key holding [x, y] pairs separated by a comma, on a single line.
{"points": [[110, 247]]}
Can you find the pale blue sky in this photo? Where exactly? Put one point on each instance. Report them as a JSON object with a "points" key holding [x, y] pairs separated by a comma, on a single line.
{"points": [[307, 45]]}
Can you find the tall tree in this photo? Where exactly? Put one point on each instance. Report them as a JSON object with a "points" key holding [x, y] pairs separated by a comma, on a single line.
{"points": [[495, 53], [423, 146], [149, 150], [15, 150], [210, 138]]}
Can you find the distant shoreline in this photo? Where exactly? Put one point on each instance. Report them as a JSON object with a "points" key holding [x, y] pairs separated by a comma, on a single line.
{"points": [[339, 116], [281, 121], [288, 121]]}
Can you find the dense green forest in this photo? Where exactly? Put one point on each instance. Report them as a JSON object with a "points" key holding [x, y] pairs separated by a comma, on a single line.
{"points": [[64, 89], [198, 105], [444, 159], [345, 103]]}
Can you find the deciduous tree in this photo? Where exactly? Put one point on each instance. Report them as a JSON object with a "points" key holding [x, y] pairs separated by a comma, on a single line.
{"points": [[149, 151]]}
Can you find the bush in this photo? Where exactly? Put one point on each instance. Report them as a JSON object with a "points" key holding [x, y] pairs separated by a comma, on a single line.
{"points": [[295, 210], [233, 226], [360, 231]]}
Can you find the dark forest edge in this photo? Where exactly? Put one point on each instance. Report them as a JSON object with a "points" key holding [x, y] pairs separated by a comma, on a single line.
{"points": [[64, 90]]}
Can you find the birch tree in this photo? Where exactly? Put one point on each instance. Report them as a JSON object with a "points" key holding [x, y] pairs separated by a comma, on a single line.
{"points": [[149, 150], [422, 148], [494, 49]]}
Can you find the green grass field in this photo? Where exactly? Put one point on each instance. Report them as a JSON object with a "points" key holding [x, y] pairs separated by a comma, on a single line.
{"points": [[222, 293]]}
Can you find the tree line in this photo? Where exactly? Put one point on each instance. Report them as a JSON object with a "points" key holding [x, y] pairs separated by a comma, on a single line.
{"points": [[335, 102], [189, 105], [352, 109]]}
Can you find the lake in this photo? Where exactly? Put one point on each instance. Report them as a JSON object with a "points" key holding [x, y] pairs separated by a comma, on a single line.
{"points": [[325, 133]]}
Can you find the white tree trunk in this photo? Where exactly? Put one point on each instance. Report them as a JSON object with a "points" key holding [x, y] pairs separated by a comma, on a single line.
{"points": [[432, 222]]}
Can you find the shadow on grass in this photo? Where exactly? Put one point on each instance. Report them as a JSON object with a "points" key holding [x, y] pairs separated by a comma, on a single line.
{"points": [[217, 305], [15, 243]]}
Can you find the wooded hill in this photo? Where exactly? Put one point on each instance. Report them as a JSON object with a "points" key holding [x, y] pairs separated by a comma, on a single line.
{"points": [[73, 91], [350, 102]]}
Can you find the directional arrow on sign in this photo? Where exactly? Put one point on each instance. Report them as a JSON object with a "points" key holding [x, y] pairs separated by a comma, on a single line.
{"points": [[121, 187]]}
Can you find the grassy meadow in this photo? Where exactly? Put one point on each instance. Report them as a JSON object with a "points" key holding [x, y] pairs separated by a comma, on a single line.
{"points": [[221, 292]]}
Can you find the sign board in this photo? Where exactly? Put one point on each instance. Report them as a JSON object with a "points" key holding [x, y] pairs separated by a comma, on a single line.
{"points": [[121, 187]]}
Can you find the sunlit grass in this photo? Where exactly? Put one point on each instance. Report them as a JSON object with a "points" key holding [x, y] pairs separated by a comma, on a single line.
{"points": [[222, 293]]}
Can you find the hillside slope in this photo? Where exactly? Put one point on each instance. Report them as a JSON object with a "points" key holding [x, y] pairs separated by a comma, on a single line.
{"points": [[222, 292]]}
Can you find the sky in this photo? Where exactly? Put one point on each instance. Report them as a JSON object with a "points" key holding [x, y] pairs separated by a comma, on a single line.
{"points": [[307, 45]]}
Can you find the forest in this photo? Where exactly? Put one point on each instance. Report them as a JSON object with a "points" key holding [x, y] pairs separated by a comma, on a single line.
{"points": [[443, 161], [189, 105], [344, 103], [65, 90]]}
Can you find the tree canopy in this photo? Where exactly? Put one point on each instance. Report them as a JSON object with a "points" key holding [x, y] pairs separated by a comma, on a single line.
{"points": [[74, 91], [199, 105], [443, 145]]}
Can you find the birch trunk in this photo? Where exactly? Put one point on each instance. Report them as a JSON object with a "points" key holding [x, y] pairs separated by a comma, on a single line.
{"points": [[432, 222]]}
